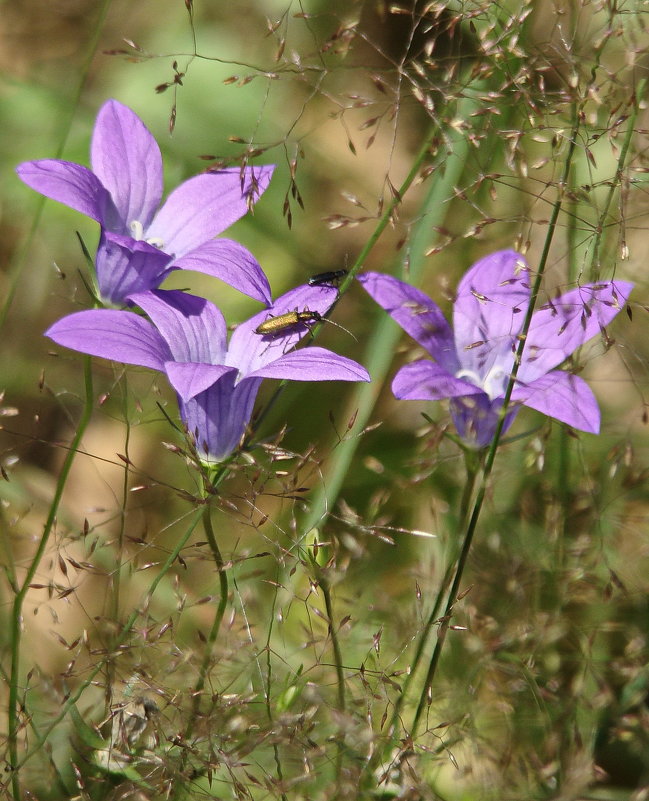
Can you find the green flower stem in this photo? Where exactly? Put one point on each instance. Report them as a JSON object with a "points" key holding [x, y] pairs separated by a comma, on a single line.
{"points": [[128, 626], [563, 461], [216, 623], [465, 507], [204, 668], [116, 582], [493, 448], [614, 185], [19, 600], [324, 585], [267, 691]]}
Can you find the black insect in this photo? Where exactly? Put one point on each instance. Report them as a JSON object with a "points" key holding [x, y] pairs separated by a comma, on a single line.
{"points": [[331, 278]]}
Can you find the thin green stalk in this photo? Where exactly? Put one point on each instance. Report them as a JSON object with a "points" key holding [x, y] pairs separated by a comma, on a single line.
{"points": [[117, 570], [563, 461], [19, 600], [6, 554], [206, 662], [433, 617], [493, 448], [128, 626], [335, 642], [268, 684], [338, 661], [615, 183], [216, 623]]}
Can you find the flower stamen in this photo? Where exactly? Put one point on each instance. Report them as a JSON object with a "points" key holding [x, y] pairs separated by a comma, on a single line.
{"points": [[137, 230]]}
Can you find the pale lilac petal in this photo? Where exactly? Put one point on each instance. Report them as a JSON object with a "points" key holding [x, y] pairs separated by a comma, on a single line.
{"points": [[193, 327], [206, 205], [476, 418], [250, 351], [313, 364], [118, 335], [560, 327], [416, 314], [219, 416], [564, 396], [190, 379], [126, 159], [232, 263], [489, 311], [125, 266], [70, 184], [425, 380]]}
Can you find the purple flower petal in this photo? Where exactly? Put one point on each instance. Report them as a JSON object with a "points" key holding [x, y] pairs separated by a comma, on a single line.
{"points": [[190, 379], [71, 184], [313, 364], [489, 311], [126, 159], [565, 397], [232, 263], [218, 417], [416, 313], [125, 266], [118, 335], [424, 380], [250, 351], [193, 327], [206, 205], [562, 325]]}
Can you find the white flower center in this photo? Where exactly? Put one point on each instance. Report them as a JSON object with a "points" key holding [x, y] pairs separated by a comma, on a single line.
{"points": [[493, 383], [137, 231]]}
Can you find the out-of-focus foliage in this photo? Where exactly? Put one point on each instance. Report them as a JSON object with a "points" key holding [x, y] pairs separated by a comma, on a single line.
{"points": [[543, 684]]}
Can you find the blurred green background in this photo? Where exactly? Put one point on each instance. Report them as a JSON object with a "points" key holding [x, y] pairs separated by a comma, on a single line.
{"points": [[543, 695]]}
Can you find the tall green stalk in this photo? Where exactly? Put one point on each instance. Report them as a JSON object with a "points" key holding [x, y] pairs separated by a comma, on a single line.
{"points": [[614, 185], [493, 448], [116, 582], [324, 585], [472, 469], [219, 613], [23, 589]]}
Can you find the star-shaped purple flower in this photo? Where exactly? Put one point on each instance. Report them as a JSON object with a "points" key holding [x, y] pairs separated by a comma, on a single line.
{"points": [[473, 361], [216, 383], [141, 244]]}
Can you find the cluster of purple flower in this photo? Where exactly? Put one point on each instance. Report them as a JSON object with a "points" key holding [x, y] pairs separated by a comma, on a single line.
{"points": [[184, 336], [140, 244]]}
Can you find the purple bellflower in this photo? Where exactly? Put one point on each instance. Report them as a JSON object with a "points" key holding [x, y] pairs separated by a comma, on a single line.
{"points": [[473, 361], [186, 339], [141, 244]]}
